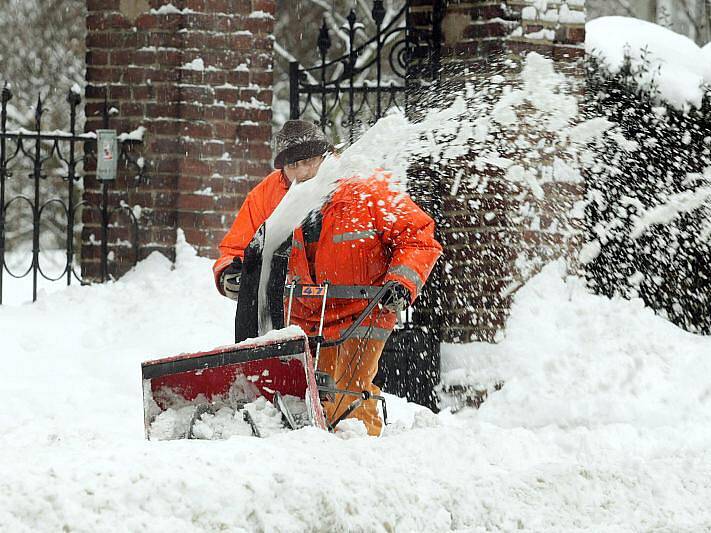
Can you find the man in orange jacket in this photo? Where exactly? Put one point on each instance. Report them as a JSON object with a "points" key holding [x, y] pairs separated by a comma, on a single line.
{"points": [[366, 234], [300, 147]]}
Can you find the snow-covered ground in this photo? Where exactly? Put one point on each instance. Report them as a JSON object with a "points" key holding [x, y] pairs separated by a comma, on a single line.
{"points": [[603, 424], [19, 290]]}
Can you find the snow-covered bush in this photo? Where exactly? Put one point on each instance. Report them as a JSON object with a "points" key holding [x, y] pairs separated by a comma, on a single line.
{"points": [[649, 186]]}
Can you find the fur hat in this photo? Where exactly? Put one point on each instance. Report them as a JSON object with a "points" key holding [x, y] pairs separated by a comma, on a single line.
{"points": [[298, 140]]}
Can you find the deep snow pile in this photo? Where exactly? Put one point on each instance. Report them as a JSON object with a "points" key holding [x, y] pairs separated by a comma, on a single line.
{"points": [[678, 66], [613, 360], [602, 424]]}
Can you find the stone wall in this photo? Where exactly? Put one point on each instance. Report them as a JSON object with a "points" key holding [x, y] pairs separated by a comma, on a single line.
{"points": [[197, 75]]}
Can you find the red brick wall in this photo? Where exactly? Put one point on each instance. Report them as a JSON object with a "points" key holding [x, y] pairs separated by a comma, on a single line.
{"points": [[208, 131], [564, 40]]}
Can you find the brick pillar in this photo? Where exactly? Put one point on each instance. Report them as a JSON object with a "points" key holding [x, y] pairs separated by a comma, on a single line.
{"points": [[197, 75], [558, 32], [473, 30], [485, 235]]}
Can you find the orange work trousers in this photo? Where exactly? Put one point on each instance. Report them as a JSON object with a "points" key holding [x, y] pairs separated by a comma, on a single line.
{"points": [[353, 366]]}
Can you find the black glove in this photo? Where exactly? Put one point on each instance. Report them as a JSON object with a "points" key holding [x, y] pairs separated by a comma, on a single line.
{"points": [[397, 299], [230, 279]]}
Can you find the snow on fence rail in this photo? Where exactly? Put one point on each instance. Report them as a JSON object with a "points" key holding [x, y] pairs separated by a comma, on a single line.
{"points": [[39, 155]]}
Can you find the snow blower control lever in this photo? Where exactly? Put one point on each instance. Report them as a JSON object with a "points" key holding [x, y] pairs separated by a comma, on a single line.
{"points": [[326, 385]]}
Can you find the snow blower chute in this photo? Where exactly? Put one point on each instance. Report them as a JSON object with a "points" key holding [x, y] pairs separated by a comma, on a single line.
{"points": [[258, 386]]}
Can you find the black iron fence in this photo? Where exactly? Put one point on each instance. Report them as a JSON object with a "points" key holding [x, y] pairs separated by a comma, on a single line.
{"points": [[26, 155], [376, 73]]}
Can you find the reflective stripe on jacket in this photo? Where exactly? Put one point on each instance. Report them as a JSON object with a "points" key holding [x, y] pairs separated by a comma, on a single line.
{"points": [[259, 204], [369, 235]]}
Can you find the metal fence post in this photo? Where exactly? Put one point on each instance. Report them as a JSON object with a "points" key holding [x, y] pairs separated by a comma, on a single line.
{"points": [[351, 74], [4, 99], [294, 90], [324, 43], [437, 17], [378, 17], [73, 99], [36, 176]]}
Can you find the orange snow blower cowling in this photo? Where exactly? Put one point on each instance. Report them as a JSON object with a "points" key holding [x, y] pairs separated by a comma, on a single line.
{"points": [[257, 387]]}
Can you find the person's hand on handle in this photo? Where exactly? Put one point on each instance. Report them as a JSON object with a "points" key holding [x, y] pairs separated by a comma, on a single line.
{"points": [[397, 299], [230, 279]]}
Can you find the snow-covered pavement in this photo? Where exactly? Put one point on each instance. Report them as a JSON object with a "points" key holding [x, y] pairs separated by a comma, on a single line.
{"points": [[603, 424]]}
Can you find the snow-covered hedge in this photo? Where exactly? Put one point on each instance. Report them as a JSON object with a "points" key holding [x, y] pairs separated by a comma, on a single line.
{"points": [[669, 65], [649, 184]]}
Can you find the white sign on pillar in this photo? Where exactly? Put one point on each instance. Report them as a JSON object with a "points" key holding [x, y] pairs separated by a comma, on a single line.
{"points": [[107, 155]]}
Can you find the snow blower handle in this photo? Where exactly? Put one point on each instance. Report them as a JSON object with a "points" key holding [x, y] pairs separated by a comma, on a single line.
{"points": [[346, 292], [375, 294]]}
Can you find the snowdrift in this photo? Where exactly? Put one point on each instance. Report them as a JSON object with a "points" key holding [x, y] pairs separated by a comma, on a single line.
{"points": [[602, 424], [571, 359]]}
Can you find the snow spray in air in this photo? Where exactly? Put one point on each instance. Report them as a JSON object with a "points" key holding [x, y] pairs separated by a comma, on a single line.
{"points": [[388, 146], [504, 127]]}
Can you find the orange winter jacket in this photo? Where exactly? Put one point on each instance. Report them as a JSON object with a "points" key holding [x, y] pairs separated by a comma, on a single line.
{"points": [[259, 204], [368, 235]]}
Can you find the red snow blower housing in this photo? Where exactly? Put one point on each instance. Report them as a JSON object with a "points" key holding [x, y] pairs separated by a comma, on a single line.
{"points": [[258, 386]]}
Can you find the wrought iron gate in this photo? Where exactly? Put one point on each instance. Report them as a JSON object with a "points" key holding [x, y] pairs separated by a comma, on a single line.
{"points": [[71, 149], [348, 93]]}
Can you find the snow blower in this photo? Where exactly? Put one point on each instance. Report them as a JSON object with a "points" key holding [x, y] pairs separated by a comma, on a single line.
{"points": [[259, 386]]}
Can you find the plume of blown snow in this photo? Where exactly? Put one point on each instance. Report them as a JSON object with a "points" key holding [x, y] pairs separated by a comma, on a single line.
{"points": [[389, 147], [676, 205], [468, 125]]}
